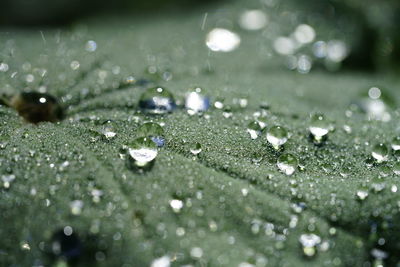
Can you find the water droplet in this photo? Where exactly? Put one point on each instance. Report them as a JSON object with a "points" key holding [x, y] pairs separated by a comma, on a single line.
{"points": [[287, 163], [142, 152], [396, 143], [222, 40], [76, 207], [362, 194], [277, 136], [7, 179], [309, 243], [380, 152], [152, 130], [284, 45], [108, 130], [164, 261], [91, 46], [196, 149], [65, 244], [195, 102], [396, 168], [319, 127], [337, 51], [176, 205], [304, 34], [157, 100], [253, 20], [255, 128], [37, 107]]}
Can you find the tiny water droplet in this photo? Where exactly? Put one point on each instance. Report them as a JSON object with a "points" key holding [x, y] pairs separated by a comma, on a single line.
{"points": [[196, 149], [287, 163], [108, 130], [362, 194], [196, 102], [37, 107], [152, 130], [142, 152], [309, 243], [396, 143], [380, 152], [277, 136], [254, 129], [396, 168], [157, 100], [319, 127]]}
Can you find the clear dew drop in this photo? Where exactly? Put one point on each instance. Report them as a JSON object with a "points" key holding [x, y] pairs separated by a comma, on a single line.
{"points": [[142, 152], [196, 149], [277, 136], [108, 130], [319, 127], [287, 163], [254, 128], [222, 40], [152, 130], [196, 102], [309, 243], [396, 143], [380, 152], [157, 100], [91, 46]]}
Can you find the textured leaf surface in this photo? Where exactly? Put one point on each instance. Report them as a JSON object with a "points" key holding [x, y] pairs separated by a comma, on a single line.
{"points": [[133, 223]]}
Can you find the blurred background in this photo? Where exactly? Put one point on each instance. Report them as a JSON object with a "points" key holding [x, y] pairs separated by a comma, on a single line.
{"points": [[373, 27]]}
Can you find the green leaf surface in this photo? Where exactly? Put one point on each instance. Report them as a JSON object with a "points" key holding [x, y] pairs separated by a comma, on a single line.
{"points": [[237, 206]]}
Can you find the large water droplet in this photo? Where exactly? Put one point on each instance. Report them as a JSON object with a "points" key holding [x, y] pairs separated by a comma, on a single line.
{"points": [[195, 102], [319, 127], [380, 152], [287, 163], [142, 152], [255, 128], [309, 242], [152, 130], [277, 136], [157, 100], [37, 107]]}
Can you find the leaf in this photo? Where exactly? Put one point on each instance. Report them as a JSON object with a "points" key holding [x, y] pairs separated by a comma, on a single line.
{"points": [[234, 209]]}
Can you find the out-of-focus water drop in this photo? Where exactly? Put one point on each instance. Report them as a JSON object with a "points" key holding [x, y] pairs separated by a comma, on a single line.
{"points": [[309, 243], [222, 40], [253, 20], [157, 100], [196, 102], [304, 34]]}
